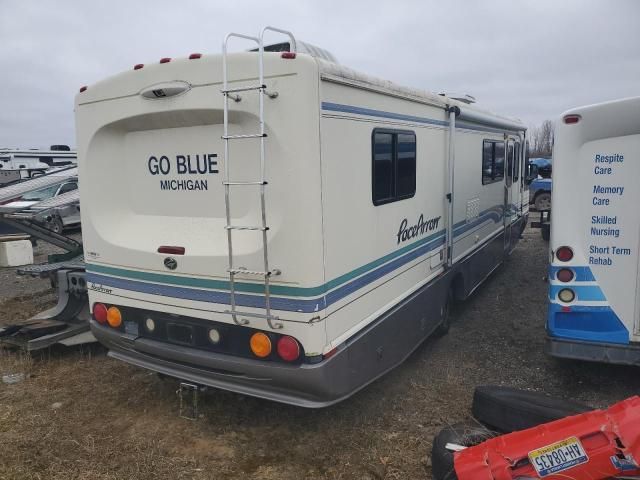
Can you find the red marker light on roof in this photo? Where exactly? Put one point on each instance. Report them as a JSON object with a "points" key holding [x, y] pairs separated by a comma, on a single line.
{"points": [[83, 88], [138, 66], [288, 55], [171, 250], [571, 119], [194, 56], [165, 60]]}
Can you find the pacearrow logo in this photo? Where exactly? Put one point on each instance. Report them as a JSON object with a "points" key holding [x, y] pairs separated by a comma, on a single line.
{"points": [[407, 233]]}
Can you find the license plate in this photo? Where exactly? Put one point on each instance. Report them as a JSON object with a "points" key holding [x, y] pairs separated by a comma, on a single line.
{"points": [[558, 457]]}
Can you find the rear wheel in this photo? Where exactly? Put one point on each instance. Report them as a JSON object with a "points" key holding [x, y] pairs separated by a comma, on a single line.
{"points": [[543, 201], [56, 226]]}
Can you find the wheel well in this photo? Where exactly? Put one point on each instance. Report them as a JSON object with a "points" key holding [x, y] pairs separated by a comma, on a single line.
{"points": [[540, 192], [457, 287]]}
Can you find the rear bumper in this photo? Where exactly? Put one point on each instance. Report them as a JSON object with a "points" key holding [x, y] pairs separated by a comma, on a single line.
{"points": [[627, 354], [306, 385]]}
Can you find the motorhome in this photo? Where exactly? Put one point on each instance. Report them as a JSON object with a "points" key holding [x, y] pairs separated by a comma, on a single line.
{"points": [[18, 164], [277, 224], [594, 300]]}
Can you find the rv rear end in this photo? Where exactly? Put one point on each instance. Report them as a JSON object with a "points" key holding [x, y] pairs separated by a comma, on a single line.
{"points": [[155, 230], [594, 309]]}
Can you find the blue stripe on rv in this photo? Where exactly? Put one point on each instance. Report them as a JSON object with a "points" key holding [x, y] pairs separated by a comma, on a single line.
{"points": [[307, 305]]}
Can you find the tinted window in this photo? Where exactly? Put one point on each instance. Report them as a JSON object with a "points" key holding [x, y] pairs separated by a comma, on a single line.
{"points": [[406, 165], [67, 187], [394, 166], [382, 167], [487, 162], [492, 161]]}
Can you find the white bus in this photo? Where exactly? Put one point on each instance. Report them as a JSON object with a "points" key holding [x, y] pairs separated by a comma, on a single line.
{"points": [[276, 224], [594, 304]]}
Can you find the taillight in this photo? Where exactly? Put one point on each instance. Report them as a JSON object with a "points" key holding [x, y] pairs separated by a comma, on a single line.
{"points": [[100, 313], [565, 275], [83, 88], [114, 317], [260, 345], [288, 349], [165, 60], [564, 254], [195, 56], [571, 119], [288, 55], [138, 66], [566, 295]]}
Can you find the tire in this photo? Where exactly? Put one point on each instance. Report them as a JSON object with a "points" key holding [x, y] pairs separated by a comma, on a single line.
{"points": [[542, 202], [509, 409], [445, 315], [465, 434], [545, 231], [56, 226]]}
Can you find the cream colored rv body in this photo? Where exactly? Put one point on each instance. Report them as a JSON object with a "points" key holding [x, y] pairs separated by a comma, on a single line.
{"points": [[364, 257]]}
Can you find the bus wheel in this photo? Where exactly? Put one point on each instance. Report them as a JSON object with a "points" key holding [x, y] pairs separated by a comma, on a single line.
{"points": [[445, 313]]}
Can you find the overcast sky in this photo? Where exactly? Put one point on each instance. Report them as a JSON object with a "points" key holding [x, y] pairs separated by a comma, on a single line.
{"points": [[527, 59]]}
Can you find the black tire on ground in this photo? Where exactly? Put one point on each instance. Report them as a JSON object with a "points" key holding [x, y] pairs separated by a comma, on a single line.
{"points": [[545, 231], [445, 314], [543, 201], [509, 409], [465, 434]]}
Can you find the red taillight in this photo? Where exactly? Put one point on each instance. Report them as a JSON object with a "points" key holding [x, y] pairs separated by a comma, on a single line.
{"points": [[165, 60], [100, 313], [288, 349], [171, 250], [83, 88], [288, 55], [564, 254], [138, 66], [195, 56], [565, 275], [571, 119]]}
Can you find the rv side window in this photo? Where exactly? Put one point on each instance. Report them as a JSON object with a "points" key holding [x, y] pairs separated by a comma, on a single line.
{"points": [[394, 165], [492, 161]]}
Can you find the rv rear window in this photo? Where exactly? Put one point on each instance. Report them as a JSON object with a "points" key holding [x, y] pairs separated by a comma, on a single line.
{"points": [[492, 161], [393, 165]]}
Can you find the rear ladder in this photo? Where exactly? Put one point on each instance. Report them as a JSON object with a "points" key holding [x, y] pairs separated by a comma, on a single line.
{"points": [[263, 228]]}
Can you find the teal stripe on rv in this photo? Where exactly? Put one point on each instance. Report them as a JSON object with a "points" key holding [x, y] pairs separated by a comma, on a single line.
{"points": [[284, 290]]}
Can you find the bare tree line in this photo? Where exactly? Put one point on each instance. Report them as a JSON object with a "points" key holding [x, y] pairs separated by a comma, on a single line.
{"points": [[541, 140]]}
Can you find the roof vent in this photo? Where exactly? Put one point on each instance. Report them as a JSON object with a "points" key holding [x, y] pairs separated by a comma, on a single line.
{"points": [[303, 47], [461, 97]]}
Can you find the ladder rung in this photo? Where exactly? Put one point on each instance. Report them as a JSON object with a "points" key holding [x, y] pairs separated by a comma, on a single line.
{"points": [[241, 270], [246, 227], [246, 183], [244, 89], [254, 315], [251, 135]]}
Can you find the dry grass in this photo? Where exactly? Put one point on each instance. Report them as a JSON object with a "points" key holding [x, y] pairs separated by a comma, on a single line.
{"points": [[120, 422]]}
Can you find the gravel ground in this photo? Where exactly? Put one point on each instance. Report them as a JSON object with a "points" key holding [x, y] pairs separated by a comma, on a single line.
{"points": [[80, 414]]}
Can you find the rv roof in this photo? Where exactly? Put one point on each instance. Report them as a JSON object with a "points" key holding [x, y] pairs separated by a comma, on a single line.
{"points": [[341, 74]]}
